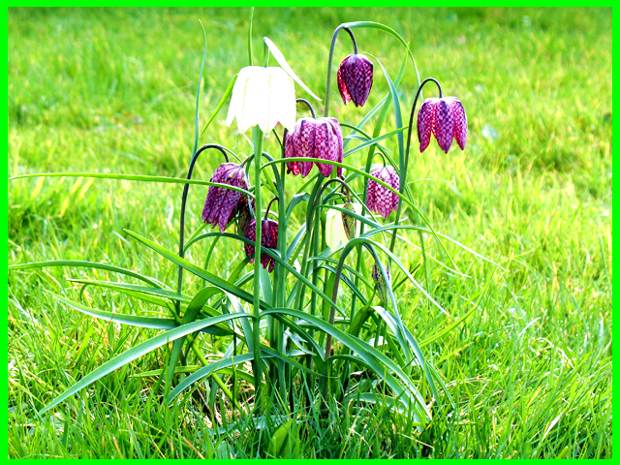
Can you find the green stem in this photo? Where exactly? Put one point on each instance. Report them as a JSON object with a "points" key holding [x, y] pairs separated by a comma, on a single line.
{"points": [[331, 57], [257, 136], [280, 287], [369, 157], [217, 379], [308, 239], [403, 174], [403, 178]]}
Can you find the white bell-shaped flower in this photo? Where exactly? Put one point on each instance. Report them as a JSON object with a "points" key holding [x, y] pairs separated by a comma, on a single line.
{"points": [[263, 97]]}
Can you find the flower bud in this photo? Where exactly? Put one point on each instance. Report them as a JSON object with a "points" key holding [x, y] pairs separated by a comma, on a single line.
{"points": [[222, 204], [380, 283], [379, 199], [355, 79], [351, 225]]}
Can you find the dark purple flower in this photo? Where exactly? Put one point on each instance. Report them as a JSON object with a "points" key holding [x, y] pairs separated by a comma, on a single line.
{"points": [[222, 204], [355, 79], [314, 138], [269, 239], [379, 199], [446, 119]]}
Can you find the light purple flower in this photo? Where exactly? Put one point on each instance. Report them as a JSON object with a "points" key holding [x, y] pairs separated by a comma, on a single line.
{"points": [[355, 79], [314, 138], [269, 239], [222, 204], [379, 199], [445, 118]]}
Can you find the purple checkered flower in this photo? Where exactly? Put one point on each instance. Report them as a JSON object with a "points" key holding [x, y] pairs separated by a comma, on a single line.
{"points": [[445, 118], [222, 204], [355, 79], [314, 138], [379, 199], [269, 239]]}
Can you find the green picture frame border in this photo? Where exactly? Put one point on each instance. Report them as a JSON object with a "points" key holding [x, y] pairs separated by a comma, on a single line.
{"points": [[615, 10]]}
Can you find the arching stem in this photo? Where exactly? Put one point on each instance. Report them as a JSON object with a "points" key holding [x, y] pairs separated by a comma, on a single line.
{"points": [[308, 104], [403, 175], [275, 199], [190, 172], [330, 59]]}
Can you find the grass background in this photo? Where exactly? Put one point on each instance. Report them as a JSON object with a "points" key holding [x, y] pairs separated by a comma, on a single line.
{"points": [[113, 90]]}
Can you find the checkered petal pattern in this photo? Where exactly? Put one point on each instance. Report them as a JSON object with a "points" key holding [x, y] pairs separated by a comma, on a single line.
{"points": [[444, 118], [380, 200], [221, 204], [460, 121], [314, 138], [269, 239], [355, 79]]}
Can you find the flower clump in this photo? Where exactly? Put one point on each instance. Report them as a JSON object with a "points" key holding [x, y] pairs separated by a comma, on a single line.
{"points": [[312, 259]]}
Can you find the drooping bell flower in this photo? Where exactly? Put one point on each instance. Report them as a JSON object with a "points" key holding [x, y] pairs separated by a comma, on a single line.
{"points": [[263, 97], [222, 204], [379, 199], [269, 239], [355, 79], [445, 118], [314, 138]]}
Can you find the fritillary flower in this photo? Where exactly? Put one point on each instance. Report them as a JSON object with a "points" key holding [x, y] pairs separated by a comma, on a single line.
{"points": [[222, 204], [379, 199], [263, 97], [355, 79], [445, 118], [269, 239], [314, 138]]}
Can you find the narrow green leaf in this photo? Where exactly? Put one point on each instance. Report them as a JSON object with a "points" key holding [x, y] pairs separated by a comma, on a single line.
{"points": [[141, 321], [279, 57], [207, 370], [132, 289], [132, 177], [86, 264]]}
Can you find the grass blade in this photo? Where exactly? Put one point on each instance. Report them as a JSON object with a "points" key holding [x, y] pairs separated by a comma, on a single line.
{"points": [[136, 352]]}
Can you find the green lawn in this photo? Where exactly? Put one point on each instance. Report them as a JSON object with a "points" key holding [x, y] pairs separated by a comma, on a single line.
{"points": [[113, 90]]}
